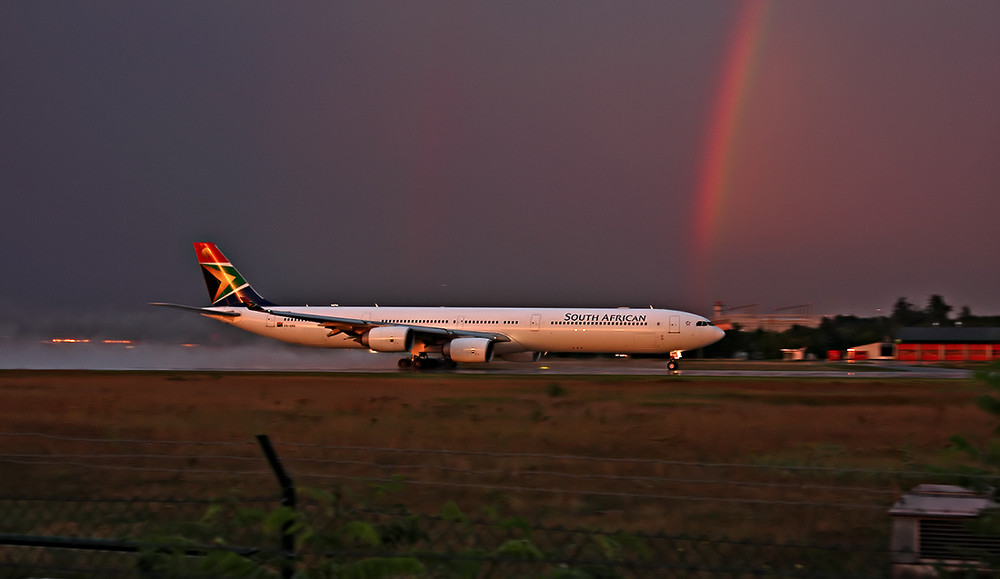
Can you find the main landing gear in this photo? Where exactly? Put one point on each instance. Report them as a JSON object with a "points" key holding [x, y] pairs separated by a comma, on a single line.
{"points": [[425, 362]]}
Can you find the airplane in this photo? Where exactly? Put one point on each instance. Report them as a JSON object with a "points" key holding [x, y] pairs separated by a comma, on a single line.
{"points": [[434, 337]]}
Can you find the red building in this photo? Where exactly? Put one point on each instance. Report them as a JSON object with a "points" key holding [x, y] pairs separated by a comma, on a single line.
{"points": [[933, 344], [946, 344]]}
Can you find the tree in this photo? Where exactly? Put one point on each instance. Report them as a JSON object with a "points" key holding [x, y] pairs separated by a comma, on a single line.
{"points": [[828, 338], [903, 314], [988, 453], [987, 523], [937, 311]]}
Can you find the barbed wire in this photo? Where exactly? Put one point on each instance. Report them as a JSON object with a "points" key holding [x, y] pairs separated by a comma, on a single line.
{"points": [[138, 468], [518, 455], [602, 477], [619, 494], [48, 459], [127, 440], [12, 457], [647, 461], [520, 488]]}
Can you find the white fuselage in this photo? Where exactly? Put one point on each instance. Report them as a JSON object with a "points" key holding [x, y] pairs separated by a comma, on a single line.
{"points": [[593, 330]]}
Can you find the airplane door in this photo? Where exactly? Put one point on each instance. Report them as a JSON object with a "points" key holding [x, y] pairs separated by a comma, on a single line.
{"points": [[536, 321], [269, 321], [675, 325]]}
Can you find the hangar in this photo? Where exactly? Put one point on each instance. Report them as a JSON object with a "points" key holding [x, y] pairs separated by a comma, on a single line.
{"points": [[938, 343], [935, 344]]}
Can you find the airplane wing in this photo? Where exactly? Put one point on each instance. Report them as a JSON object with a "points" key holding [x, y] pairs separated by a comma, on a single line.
{"points": [[203, 311], [355, 327]]}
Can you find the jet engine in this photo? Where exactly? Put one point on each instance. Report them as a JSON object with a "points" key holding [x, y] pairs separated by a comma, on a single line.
{"points": [[469, 350], [388, 339]]}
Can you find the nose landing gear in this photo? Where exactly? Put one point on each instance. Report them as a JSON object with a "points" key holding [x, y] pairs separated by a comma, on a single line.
{"points": [[674, 364]]}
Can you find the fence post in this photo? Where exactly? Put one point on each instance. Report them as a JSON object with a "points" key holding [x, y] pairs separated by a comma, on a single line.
{"points": [[288, 499]]}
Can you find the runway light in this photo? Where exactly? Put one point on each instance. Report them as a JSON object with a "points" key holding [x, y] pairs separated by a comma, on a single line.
{"points": [[69, 341]]}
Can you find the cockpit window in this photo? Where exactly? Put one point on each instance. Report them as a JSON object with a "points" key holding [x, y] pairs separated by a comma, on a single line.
{"points": [[704, 323]]}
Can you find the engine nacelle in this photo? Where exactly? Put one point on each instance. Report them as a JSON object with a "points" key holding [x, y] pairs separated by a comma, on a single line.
{"points": [[469, 350], [522, 356], [389, 339]]}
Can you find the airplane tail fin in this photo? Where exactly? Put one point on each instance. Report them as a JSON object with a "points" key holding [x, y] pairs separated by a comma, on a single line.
{"points": [[226, 287]]}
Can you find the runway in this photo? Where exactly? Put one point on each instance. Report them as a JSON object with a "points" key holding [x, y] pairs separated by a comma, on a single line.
{"points": [[282, 358], [716, 369]]}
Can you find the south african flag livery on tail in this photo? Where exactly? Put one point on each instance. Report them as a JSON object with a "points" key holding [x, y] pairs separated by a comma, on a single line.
{"points": [[226, 287]]}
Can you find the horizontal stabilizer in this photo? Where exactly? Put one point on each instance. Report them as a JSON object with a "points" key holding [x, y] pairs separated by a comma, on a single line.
{"points": [[203, 311]]}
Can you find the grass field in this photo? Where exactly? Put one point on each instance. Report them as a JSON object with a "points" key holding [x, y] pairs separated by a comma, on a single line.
{"points": [[565, 434]]}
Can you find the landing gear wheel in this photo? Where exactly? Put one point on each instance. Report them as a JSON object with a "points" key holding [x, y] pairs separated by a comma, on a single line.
{"points": [[673, 365], [426, 362]]}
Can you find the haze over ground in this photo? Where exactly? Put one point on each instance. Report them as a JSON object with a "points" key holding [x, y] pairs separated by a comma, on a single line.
{"points": [[446, 153]]}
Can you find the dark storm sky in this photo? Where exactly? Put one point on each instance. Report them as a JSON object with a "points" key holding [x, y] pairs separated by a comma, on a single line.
{"points": [[500, 153]]}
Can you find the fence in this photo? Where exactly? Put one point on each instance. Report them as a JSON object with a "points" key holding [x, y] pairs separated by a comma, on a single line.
{"points": [[530, 514], [441, 548]]}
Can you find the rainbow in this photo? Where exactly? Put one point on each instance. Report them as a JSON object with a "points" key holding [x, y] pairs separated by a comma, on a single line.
{"points": [[720, 144]]}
